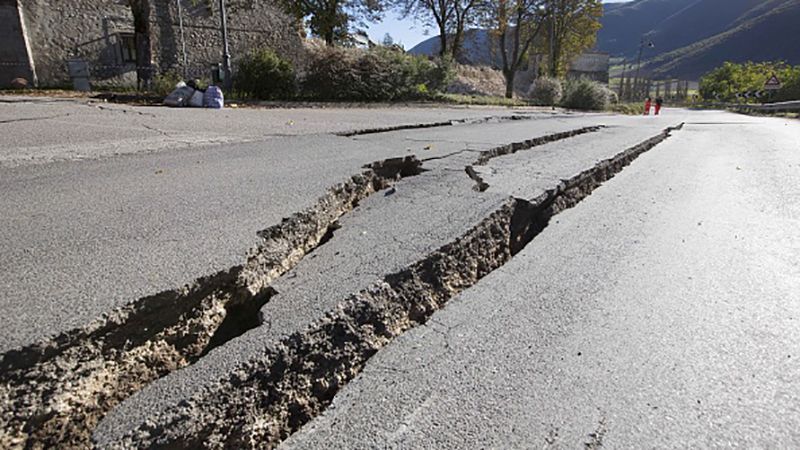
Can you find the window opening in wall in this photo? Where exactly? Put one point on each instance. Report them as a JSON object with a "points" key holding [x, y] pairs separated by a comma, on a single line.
{"points": [[127, 47]]}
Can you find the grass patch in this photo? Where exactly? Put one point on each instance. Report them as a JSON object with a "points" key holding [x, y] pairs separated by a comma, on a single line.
{"points": [[630, 109], [486, 100]]}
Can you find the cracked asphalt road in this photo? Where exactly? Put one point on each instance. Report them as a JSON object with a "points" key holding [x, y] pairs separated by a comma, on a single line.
{"points": [[83, 237], [41, 130], [660, 312], [605, 330]]}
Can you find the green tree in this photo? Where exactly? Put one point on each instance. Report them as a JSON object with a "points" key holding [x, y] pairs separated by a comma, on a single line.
{"points": [[331, 19], [451, 18], [515, 24], [726, 81], [572, 29]]}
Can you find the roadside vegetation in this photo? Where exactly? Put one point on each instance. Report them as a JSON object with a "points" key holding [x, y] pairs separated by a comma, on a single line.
{"points": [[264, 75], [484, 100], [586, 95], [629, 109], [724, 82], [379, 74], [338, 71], [558, 29], [343, 74], [548, 33], [546, 91]]}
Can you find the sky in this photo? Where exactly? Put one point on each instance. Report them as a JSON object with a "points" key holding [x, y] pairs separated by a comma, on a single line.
{"points": [[406, 31]]}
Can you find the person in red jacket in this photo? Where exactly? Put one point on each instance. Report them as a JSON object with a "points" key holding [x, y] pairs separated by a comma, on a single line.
{"points": [[647, 106], [659, 102]]}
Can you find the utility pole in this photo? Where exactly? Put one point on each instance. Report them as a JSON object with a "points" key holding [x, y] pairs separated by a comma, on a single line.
{"points": [[639, 63], [183, 38], [622, 80], [226, 54], [553, 68]]}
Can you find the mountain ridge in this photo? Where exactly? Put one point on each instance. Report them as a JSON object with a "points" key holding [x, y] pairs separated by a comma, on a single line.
{"points": [[690, 37], [699, 35]]}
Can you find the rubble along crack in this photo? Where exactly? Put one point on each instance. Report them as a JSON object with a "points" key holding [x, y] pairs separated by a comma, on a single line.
{"points": [[53, 393], [265, 400], [444, 123], [487, 155]]}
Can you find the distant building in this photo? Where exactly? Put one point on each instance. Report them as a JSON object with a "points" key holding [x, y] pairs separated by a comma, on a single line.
{"points": [[44, 34], [361, 40], [592, 65]]}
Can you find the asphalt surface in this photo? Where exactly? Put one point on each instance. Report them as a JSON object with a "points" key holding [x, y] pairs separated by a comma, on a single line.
{"points": [[662, 312], [42, 130], [385, 234], [659, 312], [80, 238]]}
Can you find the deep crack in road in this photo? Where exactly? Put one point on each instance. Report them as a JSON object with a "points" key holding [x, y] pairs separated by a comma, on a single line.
{"points": [[247, 354]]}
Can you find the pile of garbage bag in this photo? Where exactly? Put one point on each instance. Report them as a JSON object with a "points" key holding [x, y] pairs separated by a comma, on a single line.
{"points": [[189, 94]]}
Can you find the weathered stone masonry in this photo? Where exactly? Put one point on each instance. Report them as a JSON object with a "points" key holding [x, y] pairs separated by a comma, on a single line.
{"points": [[99, 31]]}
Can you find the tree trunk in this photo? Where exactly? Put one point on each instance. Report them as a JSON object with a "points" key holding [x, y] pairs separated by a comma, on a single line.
{"points": [[458, 37], [328, 37], [556, 56], [455, 48], [509, 75], [442, 41], [144, 52]]}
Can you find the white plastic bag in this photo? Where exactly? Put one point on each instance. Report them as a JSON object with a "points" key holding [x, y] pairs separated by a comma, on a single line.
{"points": [[213, 98]]}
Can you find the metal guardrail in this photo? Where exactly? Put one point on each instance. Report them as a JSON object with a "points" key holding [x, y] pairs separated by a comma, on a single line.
{"points": [[768, 107]]}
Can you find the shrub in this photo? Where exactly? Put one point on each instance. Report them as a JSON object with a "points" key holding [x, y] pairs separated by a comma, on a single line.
{"points": [[379, 74], [331, 74], [266, 76], [545, 91], [585, 94], [436, 75], [613, 97], [791, 87]]}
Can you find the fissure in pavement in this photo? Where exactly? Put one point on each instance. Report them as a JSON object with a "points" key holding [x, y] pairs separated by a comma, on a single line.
{"points": [[53, 393], [445, 123], [510, 149], [265, 400]]}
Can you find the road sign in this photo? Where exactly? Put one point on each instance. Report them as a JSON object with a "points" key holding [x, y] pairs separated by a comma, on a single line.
{"points": [[773, 83]]}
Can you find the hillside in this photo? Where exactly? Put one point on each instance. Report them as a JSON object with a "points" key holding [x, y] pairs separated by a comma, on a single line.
{"points": [[694, 36], [477, 48], [690, 37], [625, 23]]}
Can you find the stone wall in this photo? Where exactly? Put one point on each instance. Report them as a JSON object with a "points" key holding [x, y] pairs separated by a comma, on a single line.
{"points": [[251, 24], [66, 28], [94, 30]]}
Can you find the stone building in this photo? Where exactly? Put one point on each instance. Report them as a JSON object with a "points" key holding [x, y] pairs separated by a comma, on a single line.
{"points": [[591, 65], [44, 34]]}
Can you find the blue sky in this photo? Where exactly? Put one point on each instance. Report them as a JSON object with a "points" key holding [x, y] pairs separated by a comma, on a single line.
{"points": [[406, 31]]}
